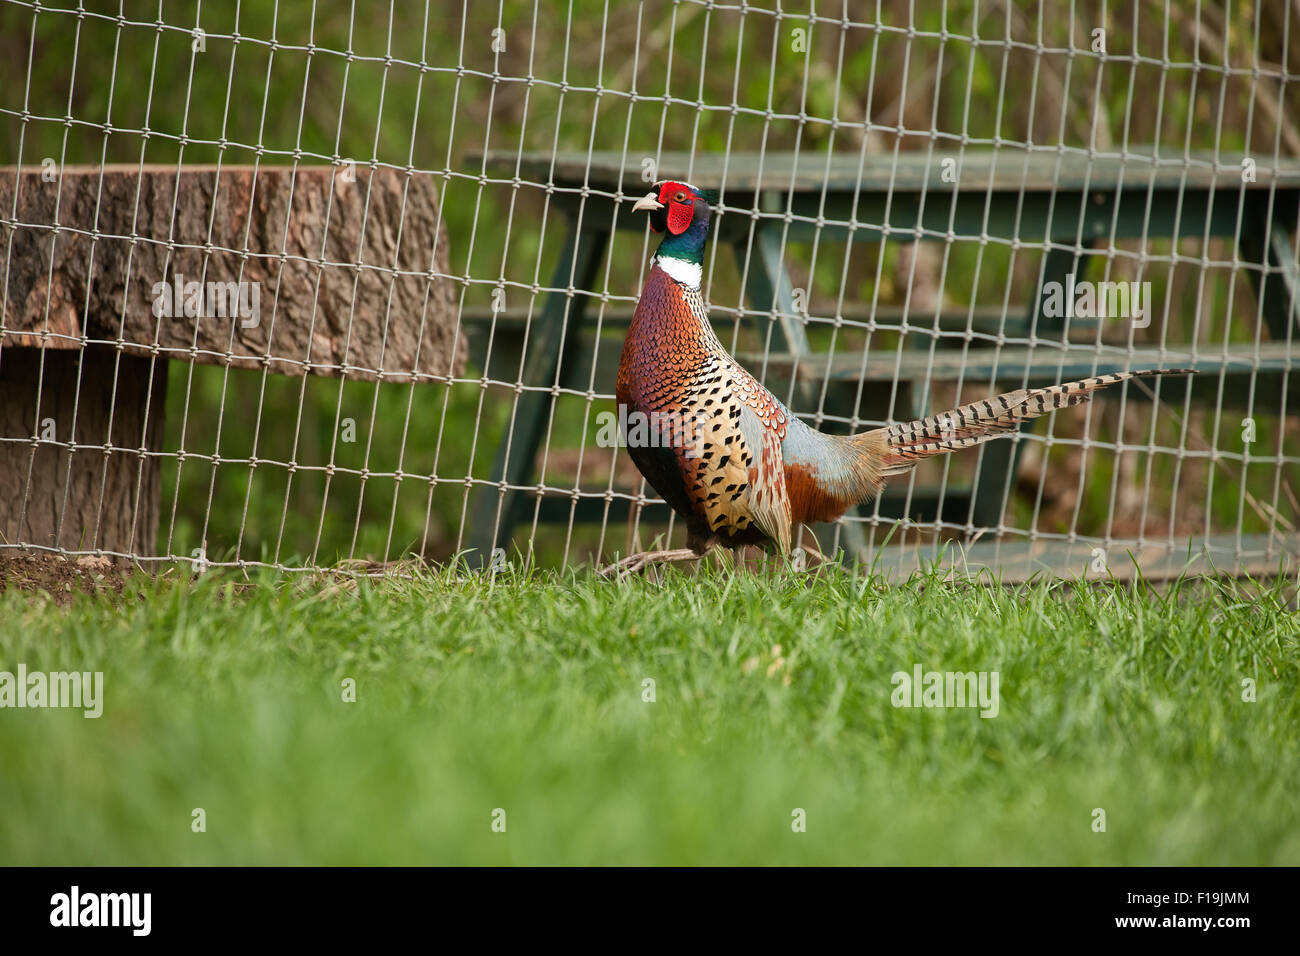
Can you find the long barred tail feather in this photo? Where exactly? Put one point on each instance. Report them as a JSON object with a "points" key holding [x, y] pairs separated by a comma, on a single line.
{"points": [[901, 446]]}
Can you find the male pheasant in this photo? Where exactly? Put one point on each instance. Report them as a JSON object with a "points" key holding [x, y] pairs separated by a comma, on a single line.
{"points": [[752, 472]]}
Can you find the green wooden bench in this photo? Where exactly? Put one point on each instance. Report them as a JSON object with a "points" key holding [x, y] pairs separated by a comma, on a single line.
{"points": [[1072, 201]]}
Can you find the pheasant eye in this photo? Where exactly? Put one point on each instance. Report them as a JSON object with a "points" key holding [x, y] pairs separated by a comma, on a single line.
{"points": [[680, 197]]}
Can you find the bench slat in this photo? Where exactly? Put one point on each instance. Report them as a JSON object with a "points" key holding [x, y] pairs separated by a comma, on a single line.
{"points": [[980, 169]]}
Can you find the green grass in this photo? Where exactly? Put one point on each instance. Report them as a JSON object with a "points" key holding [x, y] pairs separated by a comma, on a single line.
{"points": [[526, 694]]}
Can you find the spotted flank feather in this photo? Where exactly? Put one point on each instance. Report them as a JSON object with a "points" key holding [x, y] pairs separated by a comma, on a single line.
{"points": [[908, 442]]}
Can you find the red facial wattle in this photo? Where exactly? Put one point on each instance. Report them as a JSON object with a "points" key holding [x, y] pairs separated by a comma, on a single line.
{"points": [[679, 213]]}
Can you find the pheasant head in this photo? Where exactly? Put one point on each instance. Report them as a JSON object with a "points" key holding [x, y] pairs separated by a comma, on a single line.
{"points": [[681, 213]]}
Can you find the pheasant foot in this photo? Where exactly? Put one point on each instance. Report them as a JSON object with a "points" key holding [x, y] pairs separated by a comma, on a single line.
{"points": [[637, 562]]}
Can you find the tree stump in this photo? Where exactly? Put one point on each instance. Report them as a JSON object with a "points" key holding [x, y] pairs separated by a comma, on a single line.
{"points": [[107, 273]]}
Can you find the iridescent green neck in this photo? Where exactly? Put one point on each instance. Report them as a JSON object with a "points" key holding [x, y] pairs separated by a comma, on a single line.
{"points": [[689, 245]]}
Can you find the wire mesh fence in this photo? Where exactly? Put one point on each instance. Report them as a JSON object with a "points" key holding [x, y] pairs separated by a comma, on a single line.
{"points": [[301, 285]]}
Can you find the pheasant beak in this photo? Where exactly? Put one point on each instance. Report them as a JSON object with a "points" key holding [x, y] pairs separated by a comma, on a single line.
{"points": [[648, 203]]}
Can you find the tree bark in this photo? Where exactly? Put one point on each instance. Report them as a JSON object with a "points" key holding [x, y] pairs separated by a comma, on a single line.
{"points": [[80, 481], [349, 267]]}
